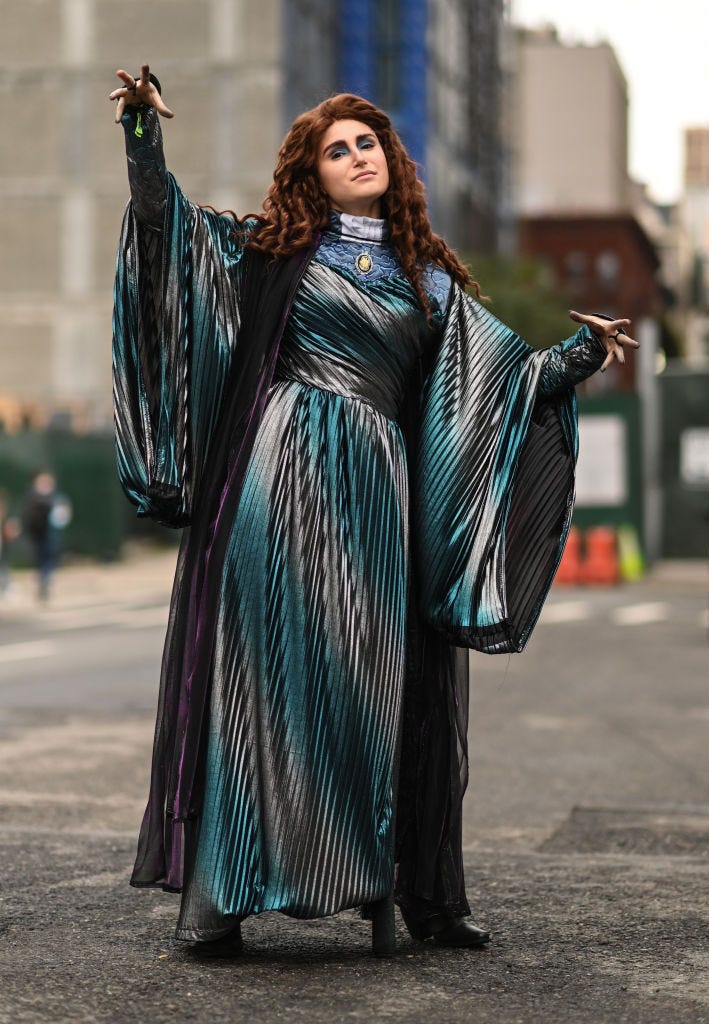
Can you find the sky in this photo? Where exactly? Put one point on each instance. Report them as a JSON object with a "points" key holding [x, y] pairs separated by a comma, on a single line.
{"points": [[663, 50]]}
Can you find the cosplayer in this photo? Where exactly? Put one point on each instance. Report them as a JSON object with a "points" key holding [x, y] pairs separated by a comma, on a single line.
{"points": [[374, 475]]}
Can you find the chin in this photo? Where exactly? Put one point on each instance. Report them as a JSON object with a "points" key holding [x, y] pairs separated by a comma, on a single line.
{"points": [[366, 196]]}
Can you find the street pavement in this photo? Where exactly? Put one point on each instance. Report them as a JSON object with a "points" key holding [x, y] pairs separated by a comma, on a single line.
{"points": [[586, 826]]}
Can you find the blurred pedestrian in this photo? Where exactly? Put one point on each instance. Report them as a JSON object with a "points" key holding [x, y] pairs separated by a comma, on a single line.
{"points": [[377, 474], [10, 530], [46, 513]]}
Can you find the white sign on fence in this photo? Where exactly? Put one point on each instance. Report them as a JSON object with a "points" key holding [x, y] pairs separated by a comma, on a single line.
{"points": [[602, 471], [694, 457]]}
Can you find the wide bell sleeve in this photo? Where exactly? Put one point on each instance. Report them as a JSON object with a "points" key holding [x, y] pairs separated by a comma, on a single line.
{"points": [[175, 328], [494, 478]]}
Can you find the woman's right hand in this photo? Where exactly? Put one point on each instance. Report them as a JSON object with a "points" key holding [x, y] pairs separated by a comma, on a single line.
{"points": [[136, 91]]}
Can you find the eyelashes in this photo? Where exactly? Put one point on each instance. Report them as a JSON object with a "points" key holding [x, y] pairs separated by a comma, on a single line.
{"points": [[343, 150]]}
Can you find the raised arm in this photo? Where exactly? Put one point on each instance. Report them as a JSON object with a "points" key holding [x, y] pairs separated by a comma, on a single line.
{"points": [[179, 276], [138, 103]]}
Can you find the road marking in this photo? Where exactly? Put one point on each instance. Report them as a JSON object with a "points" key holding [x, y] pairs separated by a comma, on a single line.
{"points": [[27, 650], [80, 618], [143, 618], [566, 611], [131, 618], [640, 614]]}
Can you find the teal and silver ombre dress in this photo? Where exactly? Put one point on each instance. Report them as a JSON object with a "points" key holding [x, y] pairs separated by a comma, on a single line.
{"points": [[393, 491]]}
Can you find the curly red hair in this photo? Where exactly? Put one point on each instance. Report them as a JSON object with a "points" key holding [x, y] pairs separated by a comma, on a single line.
{"points": [[296, 206]]}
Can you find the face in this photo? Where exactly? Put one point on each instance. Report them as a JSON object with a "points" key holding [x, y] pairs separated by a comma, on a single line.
{"points": [[352, 168]]}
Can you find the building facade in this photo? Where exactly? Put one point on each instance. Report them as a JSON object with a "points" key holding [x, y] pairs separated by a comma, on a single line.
{"points": [[604, 263], [577, 208], [62, 168], [436, 67], [570, 127], [235, 72]]}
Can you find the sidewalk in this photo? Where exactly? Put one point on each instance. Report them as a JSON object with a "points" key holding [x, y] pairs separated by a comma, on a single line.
{"points": [[690, 573], [147, 570], [144, 573]]}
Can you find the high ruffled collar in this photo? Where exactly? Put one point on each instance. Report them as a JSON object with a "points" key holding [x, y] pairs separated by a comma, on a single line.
{"points": [[363, 229]]}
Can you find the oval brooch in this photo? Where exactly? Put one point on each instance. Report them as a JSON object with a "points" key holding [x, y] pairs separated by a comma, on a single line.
{"points": [[364, 263]]}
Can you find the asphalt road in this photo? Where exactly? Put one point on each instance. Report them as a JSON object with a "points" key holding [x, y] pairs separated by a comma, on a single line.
{"points": [[586, 827]]}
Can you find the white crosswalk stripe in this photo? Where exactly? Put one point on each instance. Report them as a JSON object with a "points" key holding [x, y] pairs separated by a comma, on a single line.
{"points": [[566, 611], [640, 614], [609, 607]]}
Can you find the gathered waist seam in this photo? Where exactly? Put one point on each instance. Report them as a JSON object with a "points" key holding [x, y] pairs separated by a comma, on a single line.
{"points": [[288, 379]]}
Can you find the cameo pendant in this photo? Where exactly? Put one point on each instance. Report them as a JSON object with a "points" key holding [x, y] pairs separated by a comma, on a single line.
{"points": [[364, 263]]}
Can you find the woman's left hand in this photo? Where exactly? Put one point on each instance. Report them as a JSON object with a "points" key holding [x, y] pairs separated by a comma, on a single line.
{"points": [[611, 334]]}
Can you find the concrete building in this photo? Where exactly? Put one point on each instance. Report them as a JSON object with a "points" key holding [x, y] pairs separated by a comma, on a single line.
{"points": [[570, 125], [62, 169], [235, 72]]}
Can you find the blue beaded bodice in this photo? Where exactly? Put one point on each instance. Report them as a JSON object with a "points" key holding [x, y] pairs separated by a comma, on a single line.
{"points": [[359, 247]]}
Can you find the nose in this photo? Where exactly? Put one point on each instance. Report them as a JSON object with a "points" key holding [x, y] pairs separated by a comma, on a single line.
{"points": [[360, 157]]}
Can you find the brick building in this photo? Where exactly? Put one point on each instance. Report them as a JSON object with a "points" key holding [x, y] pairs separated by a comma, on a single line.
{"points": [[574, 199], [606, 264]]}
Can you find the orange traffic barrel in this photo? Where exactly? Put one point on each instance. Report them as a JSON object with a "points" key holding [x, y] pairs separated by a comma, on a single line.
{"points": [[600, 566], [569, 571]]}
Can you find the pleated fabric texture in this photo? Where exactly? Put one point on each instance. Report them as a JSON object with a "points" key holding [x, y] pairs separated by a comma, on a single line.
{"points": [[408, 487], [498, 431], [177, 474], [310, 653]]}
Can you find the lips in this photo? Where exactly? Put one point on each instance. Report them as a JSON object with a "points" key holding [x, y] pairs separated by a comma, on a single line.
{"points": [[363, 174]]}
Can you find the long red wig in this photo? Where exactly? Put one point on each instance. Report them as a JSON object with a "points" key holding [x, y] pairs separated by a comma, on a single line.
{"points": [[296, 205]]}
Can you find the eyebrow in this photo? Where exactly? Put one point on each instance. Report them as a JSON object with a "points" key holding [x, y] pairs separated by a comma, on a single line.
{"points": [[341, 142]]}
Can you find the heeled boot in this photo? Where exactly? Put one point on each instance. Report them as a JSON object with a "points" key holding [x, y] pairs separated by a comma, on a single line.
{"points": [[383, 934], [446, 930], [229, 945]]}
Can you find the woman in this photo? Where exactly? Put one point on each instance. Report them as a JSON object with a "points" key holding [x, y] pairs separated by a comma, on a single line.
{"points": [[376, 475]]}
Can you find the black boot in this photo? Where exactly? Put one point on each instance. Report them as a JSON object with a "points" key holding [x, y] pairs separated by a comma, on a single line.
{"points": [[229, 945], [383, 937], [446, 930]]}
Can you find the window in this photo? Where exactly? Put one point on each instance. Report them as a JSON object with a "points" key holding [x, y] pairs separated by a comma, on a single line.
{"points": [[608, 269]]}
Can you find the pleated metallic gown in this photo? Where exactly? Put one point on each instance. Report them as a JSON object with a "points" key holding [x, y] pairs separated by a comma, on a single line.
{"points": [[310, 647], [407, 492]]}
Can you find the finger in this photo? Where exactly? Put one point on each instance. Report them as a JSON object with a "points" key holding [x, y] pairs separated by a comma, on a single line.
{"points": [[126, 77], [145, 74], [619, 353], [162, 109], [607, 362], [625, 339], [120, 108], [578, 317]]}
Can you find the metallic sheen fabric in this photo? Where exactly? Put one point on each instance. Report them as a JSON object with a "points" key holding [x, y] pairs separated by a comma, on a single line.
{"points": [[387, 442]]}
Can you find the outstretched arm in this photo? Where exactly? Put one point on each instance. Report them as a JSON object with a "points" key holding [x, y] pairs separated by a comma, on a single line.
{"points": [[589, 350], [610, 333]]}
